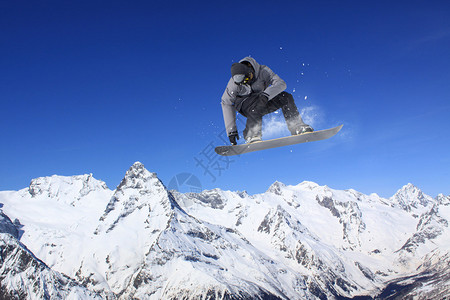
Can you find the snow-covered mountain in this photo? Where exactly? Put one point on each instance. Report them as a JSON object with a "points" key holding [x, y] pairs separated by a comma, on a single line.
{"points": [[142, 241], [23, 276]]}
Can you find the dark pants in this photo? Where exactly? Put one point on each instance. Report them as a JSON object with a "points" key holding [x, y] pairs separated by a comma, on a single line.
{"points": [[254, 108]]}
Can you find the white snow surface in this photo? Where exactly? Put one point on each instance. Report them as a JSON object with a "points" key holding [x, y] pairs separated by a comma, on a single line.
{"points": [[293, 242], [23, 276]]}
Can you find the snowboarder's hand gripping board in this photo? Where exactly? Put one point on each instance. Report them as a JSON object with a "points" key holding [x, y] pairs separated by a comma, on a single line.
{"points": [[275, 143]]}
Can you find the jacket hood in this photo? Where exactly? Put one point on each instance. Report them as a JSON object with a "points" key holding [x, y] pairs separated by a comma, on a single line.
{"points": [[253, 62]]}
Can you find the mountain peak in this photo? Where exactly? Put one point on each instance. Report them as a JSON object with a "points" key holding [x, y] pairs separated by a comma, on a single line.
{"points": [[67, 188], [411, 197], [444, 200], [137, 170], [137, 165], [408, 190], [136, 177], [140, 193], [276, 188], [410, 187], [308, 185]]}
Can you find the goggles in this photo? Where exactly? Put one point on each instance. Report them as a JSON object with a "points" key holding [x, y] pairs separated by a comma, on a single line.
{"points": [[241, 78]]}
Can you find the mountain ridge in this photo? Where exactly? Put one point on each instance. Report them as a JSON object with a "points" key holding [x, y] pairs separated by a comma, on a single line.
{"points": [[136, 240]]}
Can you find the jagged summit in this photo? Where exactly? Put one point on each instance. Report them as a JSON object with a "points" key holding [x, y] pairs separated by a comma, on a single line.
{"points": [[138, 187], [276, 187], [137, 177], [410, 197], [444, 200], [140, 193]]}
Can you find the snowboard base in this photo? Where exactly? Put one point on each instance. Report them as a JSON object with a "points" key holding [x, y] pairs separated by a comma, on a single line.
{"points": [[279, 142]]}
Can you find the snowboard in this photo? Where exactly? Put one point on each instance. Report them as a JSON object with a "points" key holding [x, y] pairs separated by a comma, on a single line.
{"points": [[279, 142]]}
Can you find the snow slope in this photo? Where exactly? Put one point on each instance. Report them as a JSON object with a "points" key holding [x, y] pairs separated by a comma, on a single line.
{"points": [[23, 276]]}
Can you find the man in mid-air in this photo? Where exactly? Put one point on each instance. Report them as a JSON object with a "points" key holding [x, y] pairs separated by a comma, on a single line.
{"points": [[254, 90]]}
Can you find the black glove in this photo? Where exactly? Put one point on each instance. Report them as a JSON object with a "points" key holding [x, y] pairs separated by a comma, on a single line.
{"points": [[233, 136]]}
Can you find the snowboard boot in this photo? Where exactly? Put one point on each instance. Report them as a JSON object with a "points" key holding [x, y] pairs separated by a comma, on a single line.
{"points": [[254, 139], [302, 129]]}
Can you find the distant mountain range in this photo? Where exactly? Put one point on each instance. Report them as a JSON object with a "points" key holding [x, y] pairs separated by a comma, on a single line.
{"points": [[74, 238]]}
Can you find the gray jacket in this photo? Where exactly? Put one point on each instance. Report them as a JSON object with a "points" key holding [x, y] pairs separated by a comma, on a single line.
{"points": [[265, 80]]}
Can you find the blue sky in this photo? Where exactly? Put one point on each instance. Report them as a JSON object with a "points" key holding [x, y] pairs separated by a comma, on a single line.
{"points": [[93, 86]]}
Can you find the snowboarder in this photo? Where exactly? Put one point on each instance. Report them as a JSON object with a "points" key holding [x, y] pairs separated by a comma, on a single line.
{"points": [[254, 90]]}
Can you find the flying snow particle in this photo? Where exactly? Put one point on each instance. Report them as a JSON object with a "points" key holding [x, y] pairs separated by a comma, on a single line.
{"points": [[306, 97]]}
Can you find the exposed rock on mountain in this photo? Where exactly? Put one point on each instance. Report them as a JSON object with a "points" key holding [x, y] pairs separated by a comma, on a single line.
{"points": [[292, 242]]}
